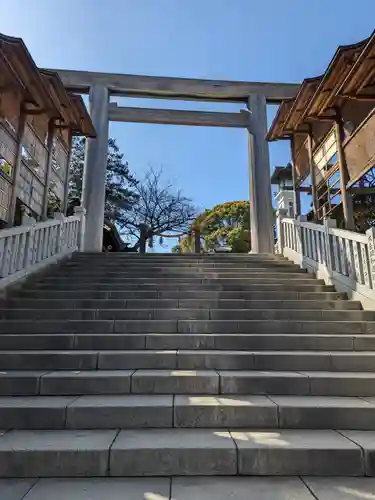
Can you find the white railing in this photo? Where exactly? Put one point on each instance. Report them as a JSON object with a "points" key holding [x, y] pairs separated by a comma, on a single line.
{"points": [[27, 249], [345, 259]]}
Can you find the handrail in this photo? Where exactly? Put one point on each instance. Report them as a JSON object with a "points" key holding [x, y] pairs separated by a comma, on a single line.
{"points": [[27, 249], [343, 258]]}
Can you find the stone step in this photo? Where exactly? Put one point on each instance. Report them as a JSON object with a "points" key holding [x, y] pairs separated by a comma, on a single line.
{"points": [[162, 257], [109, 265], [187, 326], [108, 341], [312, 286], [187, 360], [189, 488], [187, 314], [118, 275], [181, 295], [296, 279], [186, 411], [72, 303], [208, 382], [182, 452]]}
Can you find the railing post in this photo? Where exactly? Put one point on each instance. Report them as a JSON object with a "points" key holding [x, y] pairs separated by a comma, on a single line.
{"points": [[328, 223], [281, 213], [300, 242], [81, 212], [60, 232], [370, 233], [144, 229], [197, 241]]}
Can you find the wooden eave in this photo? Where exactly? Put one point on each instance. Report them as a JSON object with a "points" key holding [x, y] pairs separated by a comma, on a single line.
{"points": [[294, 119], [362, 73], [275, 131], [337, 71], [35, 90], [65, 110], [83, 124]]}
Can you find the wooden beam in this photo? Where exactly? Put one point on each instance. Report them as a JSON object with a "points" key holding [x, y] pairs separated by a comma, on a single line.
{"points": [[178, 117], [176, 88]]}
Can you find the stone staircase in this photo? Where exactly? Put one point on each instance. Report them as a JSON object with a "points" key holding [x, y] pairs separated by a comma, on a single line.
{"points": [[167, 365]]}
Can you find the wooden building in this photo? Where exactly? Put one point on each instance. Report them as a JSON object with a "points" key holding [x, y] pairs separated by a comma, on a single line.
{"points": [[38, 119], [331, 126]]}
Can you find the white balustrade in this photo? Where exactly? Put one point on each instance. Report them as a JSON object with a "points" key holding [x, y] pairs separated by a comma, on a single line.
{"points": [[27, 249], [343, 258]]}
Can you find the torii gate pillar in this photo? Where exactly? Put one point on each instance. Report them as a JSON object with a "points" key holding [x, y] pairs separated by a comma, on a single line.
{"points": [[94, 176], [261, 215]]}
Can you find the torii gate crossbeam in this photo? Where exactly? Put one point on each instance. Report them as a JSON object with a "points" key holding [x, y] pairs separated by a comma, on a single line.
{"points": [[101, 86]]}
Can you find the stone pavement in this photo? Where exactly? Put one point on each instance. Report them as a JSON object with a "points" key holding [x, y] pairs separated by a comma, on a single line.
{"points": [[196, 488]]}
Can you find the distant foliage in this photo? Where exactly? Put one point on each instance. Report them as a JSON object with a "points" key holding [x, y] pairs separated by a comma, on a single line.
{"points": [[225, 224]]}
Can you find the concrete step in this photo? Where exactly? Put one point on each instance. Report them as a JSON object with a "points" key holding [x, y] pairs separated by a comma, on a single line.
{"points": [[209, 382], [108, 341], [187, 326], [186, 411], [189, 488], [180, 295], [266, 265], [168, 274], [182, 452], [295, 279], [165, 258], [311, 286], [187, 360], [72, 303], [187, 314]]}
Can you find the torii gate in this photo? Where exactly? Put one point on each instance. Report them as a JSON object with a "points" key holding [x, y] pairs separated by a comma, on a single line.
{"points": [[101, 86]]}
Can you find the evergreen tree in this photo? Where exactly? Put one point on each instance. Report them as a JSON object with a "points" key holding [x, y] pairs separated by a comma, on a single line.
{"points": [[120, 183]]}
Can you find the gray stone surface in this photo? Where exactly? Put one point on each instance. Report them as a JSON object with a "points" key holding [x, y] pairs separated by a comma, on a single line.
{"points": [[341, 383], [19, 383], [110, 341], [239, 488], [215, 360], [177, 341], [15, 489], [263, 382], [61, 326], [55, 453], [110, 412], [324, 412], [292, 360], [175, 382], [366, 440], [86, 382], [48, 360], [142, 359], [99, 489], [35, 341], [154, 452], [224, 411], [39, 412], [281, 342], [341, 488], [141, 326], [297, 452]]}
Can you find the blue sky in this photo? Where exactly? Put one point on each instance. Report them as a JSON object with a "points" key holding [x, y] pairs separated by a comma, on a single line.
{"points": [[253, 40]]}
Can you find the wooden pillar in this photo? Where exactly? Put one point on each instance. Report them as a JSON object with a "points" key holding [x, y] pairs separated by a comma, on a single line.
{"points": [[296, 193], [17, 167], [47, 179], [67, 176], [347, 203], [312, 172]]}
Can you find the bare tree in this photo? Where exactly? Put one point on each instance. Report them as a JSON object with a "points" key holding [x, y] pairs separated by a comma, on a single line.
{"points": [[159, 206]]}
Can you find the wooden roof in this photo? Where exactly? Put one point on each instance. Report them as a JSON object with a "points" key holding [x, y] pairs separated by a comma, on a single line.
{"points": [[42, 89], [350, 74]]}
